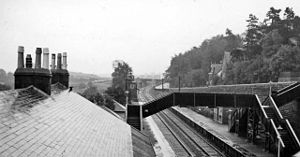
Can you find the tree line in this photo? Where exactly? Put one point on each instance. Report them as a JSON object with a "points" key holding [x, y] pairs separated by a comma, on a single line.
{"points": [[265, 49], [115, 92], [6, 80]]}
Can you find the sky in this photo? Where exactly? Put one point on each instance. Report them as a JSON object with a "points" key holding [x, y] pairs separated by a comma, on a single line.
{"points": [[144, 33]]}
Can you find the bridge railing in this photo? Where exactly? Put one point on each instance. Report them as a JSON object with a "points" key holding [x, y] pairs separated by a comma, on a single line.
{"points": [[260, 106], [288, 87], [287, 95], [291, 130], [277, 134], [286, 124]]}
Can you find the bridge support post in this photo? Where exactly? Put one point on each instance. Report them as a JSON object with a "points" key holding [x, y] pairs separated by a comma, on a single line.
{"points": [[243, 123], [252, 126]]}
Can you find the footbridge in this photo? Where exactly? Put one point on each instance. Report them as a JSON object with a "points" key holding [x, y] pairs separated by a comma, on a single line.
{"points": [[256, 110]]}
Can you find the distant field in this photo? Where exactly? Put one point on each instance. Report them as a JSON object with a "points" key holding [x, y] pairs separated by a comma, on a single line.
{"points": [[102, 85], [79, 81]]}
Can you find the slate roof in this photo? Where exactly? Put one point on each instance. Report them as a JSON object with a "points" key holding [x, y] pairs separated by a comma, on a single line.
{"points": [[63, 124], [57, 88], [119, 107]]}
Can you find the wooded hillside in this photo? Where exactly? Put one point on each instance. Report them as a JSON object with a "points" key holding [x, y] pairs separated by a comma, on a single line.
{"points": [[266, 48]]}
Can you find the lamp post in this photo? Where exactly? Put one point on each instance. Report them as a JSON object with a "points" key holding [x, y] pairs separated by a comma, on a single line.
{"points": [[179, 83], [278, 138], [127, 81], [162, 80]]}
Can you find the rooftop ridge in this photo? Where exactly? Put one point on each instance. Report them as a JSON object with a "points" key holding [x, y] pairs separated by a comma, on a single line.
{"points": [[28, 97], [57, 88]]}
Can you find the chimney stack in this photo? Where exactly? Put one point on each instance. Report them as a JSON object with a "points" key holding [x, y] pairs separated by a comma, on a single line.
{"points": [[41, 78], [20, 57], [53, 61], [65, 61], [59, 61], [38, 58], [45, 58], [61, 75], [37, 77], [28, 61]]}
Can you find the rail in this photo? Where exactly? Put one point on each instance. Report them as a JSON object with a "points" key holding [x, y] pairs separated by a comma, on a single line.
{"points": [[277, 133], [184, 146], [275, 106], [260, 106], [291, 130], [190, 132], [287, 124], [288, 87]]}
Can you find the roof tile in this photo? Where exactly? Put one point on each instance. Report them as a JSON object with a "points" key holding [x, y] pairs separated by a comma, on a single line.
{"points": [[67, 124]]}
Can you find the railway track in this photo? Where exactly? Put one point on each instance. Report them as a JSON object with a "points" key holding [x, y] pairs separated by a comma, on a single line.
{"points": [[197, 143], [184, 140], [177, 144]]}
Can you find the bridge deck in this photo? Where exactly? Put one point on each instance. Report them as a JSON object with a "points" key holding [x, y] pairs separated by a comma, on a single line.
{"points": [[221, 131]]}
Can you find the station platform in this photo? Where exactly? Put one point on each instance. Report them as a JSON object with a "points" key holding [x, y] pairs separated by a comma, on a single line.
{"points": [[221, 131]]}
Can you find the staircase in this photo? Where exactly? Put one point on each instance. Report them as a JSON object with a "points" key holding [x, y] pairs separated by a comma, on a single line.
{"points": [[270, 113], [135, 122], [281, 128], [134, 116]]}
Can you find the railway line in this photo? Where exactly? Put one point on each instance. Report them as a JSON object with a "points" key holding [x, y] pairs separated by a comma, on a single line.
{"points": [[184, 140], [198, 144]]}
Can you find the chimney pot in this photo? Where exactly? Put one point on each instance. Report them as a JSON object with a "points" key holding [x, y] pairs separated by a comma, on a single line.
{"points": [[38, 56], [65, 61], [59, 61], [53, 61], [28, 61], [46, 58], [20, 57]]}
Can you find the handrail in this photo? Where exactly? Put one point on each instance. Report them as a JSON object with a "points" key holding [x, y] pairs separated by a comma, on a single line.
{"points": [[275, 106], [260, 106], [293, 133], [288, 88], [277, 133]]}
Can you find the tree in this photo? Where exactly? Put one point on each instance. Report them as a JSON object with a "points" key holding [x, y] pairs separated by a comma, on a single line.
{"points": [[286, 59], [268, 48], [274, 17], [4, 87], [6, 79], [93, 95], [117, 90], [193, 66], [253, 37], [271, 43]]}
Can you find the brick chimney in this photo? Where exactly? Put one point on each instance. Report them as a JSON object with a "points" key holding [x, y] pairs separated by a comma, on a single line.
{"points": [[28, 61], [64, 65], [20, 57], [38, 58], [60, 74], [59, 61], [38, 77], [45, 58], [53, 62]]}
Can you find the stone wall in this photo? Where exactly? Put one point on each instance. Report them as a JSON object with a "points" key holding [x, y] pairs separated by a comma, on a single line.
{"points": [[291, 112]]}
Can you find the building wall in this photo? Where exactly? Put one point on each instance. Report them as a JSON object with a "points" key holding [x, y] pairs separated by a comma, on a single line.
{"points": [[292, 113]]}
